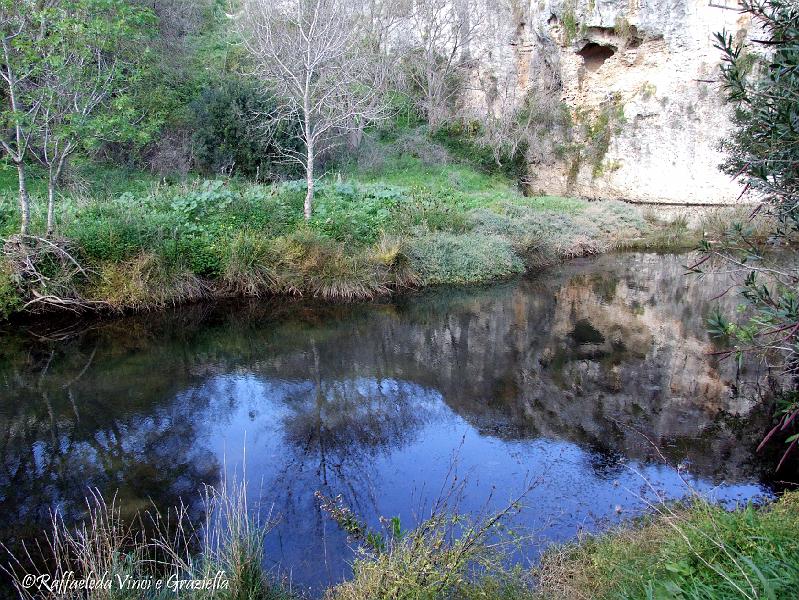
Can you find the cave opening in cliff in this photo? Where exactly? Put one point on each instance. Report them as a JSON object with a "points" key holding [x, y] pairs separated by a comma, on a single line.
{"points": [[594, 55]]}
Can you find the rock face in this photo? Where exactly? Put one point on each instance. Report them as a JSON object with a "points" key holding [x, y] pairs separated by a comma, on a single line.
{"points": [[640, 81]]}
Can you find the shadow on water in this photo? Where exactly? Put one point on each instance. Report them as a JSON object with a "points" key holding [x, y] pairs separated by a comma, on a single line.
{"points": [[578, 379]]}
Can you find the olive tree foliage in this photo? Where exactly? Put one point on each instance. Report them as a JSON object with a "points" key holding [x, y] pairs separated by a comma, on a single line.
{"points": [[764, 89], [19, 32], [314, 56], [761, 80], [87, 70], [66, 65]]}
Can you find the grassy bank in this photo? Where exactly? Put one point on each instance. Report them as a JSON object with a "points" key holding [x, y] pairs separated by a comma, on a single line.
{"points": [[700, 551], [403, 213], [696, 551]]}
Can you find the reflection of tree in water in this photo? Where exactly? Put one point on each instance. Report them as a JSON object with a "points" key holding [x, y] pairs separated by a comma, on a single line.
{"points": [[81, 419], [338, 426], [335, 426]]}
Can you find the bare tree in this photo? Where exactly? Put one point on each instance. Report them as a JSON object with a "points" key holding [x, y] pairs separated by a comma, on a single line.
{"points": [[311, 54], [440, 56], [382, 23]]}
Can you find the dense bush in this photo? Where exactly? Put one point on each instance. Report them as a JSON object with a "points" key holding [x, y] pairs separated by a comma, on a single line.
{"points": [[115, 230], [226, 138]]}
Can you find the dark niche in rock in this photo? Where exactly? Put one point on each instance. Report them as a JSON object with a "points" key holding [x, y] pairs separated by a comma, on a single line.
{"points": [[594, 55]]}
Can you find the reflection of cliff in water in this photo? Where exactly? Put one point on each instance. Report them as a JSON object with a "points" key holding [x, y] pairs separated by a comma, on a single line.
{"points": [[612, 360], [597, 353]]}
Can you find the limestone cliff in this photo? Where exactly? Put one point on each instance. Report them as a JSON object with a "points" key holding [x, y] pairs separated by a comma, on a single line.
{"points": [[639, 80]]}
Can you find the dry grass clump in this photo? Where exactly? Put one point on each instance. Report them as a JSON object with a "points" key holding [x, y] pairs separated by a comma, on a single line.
{"points": [[249, 265], [446, 556], [675, 234], [145, 282], [104, 548], [433, 562], [308, 264], [463, 258], [719, 223], [544, 236], [390, 255], [616, 220]]}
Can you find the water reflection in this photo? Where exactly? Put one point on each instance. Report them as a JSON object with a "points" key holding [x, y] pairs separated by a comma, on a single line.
{"points": [[571, 379]]}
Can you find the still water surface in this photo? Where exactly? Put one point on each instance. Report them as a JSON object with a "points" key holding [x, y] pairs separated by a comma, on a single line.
{"points": [[568, 380]]}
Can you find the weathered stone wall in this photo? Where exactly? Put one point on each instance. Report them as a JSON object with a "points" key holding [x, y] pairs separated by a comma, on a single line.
{"points": [[640, 80]]}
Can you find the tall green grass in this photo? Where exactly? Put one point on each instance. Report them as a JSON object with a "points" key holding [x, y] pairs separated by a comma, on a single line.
{"points": [[697, 551]]}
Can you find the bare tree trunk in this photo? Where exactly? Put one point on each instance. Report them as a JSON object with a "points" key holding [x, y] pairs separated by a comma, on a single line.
{"points": [[19, 156], [309, 147], [309, 181], [55, 175], [51, 206], [24, 199], [356, 137]]}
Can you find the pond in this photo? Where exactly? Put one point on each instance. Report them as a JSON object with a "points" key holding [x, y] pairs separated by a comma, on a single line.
{"points": [[593, 382]]}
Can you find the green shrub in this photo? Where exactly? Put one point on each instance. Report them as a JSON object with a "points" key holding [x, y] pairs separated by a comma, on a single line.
{"points": [[273, 210], [225, 138], [117, 229], [445, 258], [433, 211], [202, 253]]}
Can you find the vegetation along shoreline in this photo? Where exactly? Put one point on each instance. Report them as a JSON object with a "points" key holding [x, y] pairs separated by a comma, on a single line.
{"points": [[421, 217]]}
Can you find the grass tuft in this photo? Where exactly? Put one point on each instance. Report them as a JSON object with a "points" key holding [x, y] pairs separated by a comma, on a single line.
{"points": [[468, 258], [106, 548], [146, 281]]}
